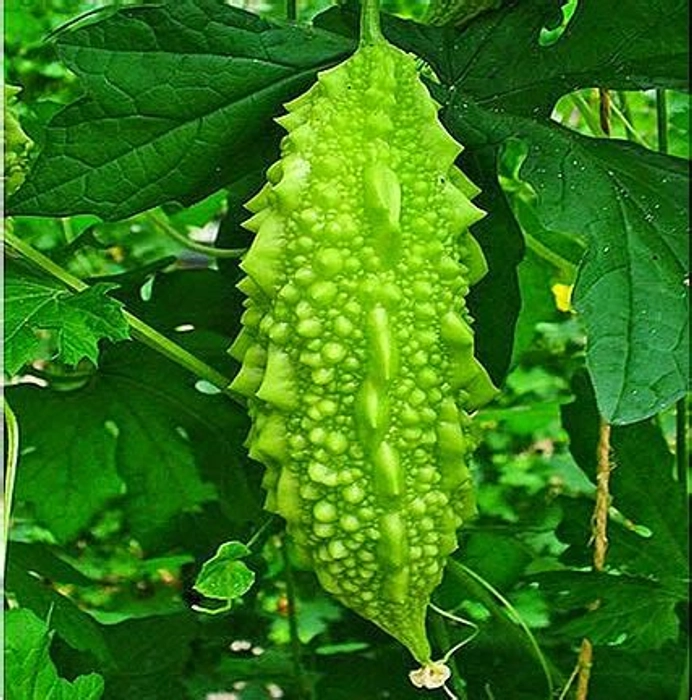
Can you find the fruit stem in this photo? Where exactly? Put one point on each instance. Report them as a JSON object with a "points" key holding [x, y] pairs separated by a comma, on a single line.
{"points": [[370, 32]]}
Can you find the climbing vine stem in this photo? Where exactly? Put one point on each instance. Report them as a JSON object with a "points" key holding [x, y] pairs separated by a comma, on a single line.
{"points": [[461, 572], [165, 227], [291, 10], [12, 452], [600, 516], [293, 622]]}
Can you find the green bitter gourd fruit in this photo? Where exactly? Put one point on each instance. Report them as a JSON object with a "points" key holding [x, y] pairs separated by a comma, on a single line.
{"points": [[357, 350]]}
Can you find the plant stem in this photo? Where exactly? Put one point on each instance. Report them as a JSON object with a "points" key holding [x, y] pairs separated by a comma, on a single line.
{"points": [[625, 110], [291, 10], [461, 572], [441, 636], [140, 330], [632, 133], [600, 515], [44, 263], [584, 109], [662, 120], [166, 347], [12, 442], [209, 250], [293, 622], [261, 530], [555, 259], [594, 125], [685, 680], [370, 32], [604, 110], [681, 451], [584, 664]]}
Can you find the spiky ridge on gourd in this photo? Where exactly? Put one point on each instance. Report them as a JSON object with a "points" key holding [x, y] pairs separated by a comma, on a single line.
{"points": [[357, 349]]}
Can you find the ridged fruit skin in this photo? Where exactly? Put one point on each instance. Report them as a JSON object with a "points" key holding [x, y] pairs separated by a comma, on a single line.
{"points": [[356, 348]]}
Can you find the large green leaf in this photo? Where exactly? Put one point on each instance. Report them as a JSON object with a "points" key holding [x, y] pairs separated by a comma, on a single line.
{"points": [[76, 322], [179, 99], [29, 671], [634, 613], [150, 657], [32, 573], [631, 289], [139, 422], [499, 62]]}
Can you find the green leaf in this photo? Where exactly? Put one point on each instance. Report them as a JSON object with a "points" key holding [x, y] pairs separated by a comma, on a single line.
{"points": [[538, 304], [646, 493], [77, 321], [655, 675], [28, 576], [631, 288], [179, 98], [313, 616], [633, 613], [46, 560], [139, 421], [457, 12], [224, 577], [150, 657], [495, 301], [631, 45], [29, 671]]}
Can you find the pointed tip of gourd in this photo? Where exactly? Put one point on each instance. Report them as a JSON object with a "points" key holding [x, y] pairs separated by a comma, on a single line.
{"points": [[290, 121], [268, 443], [254, 222], [264, 260], [456, 331], [251, 372], [250, 288], [261, 200], [443, 147], [460, 180], [244, 340], [473, 257], [279, 387], [463, 213], [480, 389], [290, 191]]}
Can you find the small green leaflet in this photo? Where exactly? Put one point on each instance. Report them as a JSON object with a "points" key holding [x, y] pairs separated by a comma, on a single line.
{"points": [[29, 670], [76, 321], [224, 577]]}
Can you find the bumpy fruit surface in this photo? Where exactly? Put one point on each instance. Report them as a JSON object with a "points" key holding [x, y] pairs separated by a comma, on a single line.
{"points": [[357, 349]]}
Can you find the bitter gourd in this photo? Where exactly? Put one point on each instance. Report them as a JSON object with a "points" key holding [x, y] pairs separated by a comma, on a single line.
{"points": [[357, 350]]}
